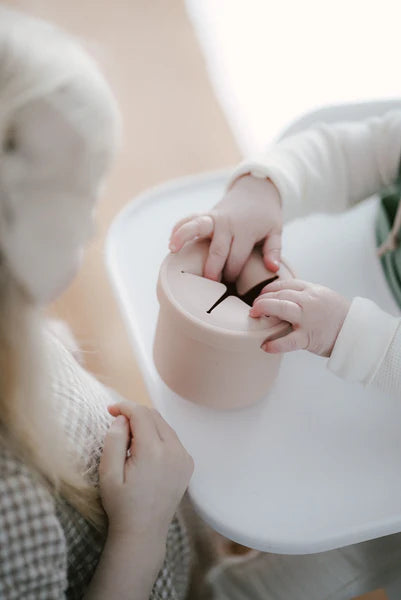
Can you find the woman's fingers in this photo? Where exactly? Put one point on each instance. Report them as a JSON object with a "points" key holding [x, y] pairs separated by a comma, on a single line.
{"points": [[172, 442], [143, 426], [196, 228], [142, 419], [218, 252], [240, 251], [114, 451], [274, 307], [166, 432], [296, 340], [114, 410], [272, 250]]}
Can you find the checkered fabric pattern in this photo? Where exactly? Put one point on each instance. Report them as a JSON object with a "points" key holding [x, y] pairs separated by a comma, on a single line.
{"points": [[47, 549]]}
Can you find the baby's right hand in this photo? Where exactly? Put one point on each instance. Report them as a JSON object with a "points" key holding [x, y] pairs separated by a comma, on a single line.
{"points": [[249, 212], [141, 490]]}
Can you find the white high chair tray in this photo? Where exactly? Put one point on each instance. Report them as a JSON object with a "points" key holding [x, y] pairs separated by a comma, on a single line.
{"points": [[315, 465]]}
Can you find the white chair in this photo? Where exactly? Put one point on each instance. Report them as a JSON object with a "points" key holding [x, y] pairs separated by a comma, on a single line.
{"points": [[316, 465]]}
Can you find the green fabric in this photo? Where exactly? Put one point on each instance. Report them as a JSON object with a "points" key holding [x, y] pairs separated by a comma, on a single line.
{"points": [[391, 261]]}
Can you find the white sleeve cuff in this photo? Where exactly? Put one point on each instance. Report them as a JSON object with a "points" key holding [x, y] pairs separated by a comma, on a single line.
{"points": [[363, 341], [388, 376]]}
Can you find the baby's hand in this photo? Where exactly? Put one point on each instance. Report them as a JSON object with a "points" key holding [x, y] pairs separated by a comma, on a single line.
{"points": [[144, 472], [316, 314], [249, 212]]}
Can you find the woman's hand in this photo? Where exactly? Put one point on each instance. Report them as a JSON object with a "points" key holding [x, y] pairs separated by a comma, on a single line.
{"points": [[144, 472], [316, 314], [249, 213]]}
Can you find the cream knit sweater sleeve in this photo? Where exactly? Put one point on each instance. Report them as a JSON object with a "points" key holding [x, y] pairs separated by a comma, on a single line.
{"points": [[329, 168]]}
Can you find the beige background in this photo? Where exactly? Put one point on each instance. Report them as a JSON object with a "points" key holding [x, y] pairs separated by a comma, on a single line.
{"points": [[172, 127]]}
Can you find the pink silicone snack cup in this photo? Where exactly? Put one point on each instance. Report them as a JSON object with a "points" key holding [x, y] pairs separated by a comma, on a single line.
{"points": [[207, 347]]}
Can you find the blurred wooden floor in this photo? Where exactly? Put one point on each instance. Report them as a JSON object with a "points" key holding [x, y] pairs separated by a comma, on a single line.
{"points": [[173, 126]]}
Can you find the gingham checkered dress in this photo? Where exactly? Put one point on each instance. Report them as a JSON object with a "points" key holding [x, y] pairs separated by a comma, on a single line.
{"points": [[47, 549]]}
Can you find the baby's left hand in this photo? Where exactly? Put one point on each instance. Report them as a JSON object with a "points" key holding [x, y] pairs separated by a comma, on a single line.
{"points": [[316, 314]]}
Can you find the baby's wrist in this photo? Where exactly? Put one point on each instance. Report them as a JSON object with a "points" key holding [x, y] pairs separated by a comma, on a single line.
{"points": [[255, 178]]}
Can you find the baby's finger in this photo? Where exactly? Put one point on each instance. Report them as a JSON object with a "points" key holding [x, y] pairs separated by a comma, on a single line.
{"points": [[272, 250], [296, 340], [284, 284], [183, 221], [198, 228], [294, 296], [114, 453], [218, 252], [240, 251], [271, 307]]}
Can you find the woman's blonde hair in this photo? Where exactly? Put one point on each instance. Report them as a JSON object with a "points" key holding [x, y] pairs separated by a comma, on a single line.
{"points": [[36, 59]]}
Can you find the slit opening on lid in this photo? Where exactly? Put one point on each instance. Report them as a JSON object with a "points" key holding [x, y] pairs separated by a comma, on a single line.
{"points": [[248, 298], [231, 290]]}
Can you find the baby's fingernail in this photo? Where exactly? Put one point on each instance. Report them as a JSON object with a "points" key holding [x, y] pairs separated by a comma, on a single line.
{"points": [[264, 347], [120, 420]]}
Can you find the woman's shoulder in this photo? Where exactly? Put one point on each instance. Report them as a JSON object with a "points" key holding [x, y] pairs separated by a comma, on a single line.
{"points": [[72, 384], [81, 403]]}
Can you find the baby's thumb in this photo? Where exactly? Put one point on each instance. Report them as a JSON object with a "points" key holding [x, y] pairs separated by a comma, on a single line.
{"points": [[112, 462], [272, 250]]}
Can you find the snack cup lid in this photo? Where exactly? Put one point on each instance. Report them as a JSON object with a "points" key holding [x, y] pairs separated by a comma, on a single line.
{"points": [[211, 311]]}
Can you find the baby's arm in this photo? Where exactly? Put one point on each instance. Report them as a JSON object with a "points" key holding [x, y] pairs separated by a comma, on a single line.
{"points": [[330, 167], [326, 169], [368, 347], [362, 341]]}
